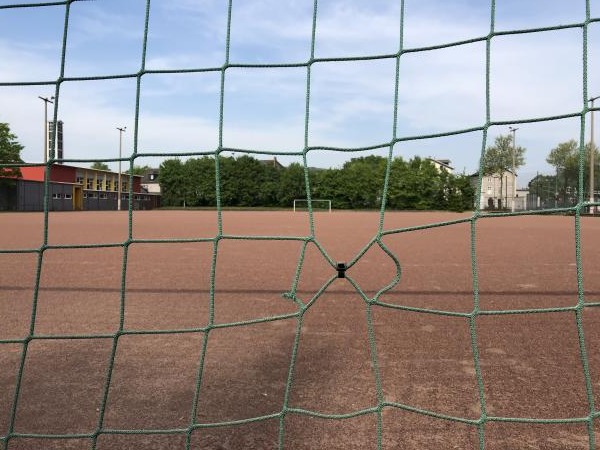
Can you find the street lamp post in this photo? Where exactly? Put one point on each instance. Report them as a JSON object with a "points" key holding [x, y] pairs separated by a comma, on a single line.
{"points": [[514, 133], [592, 208], [121, 131], [46, 100]]}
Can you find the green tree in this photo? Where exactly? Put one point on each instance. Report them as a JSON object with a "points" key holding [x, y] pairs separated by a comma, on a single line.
{"points": [[138, 170], [328, 185], [97, 165], [398, 196], [269, 187], [291, 184], [240, 180], [201, 175], [565, 159], [462, 193], [455, 192], [502, 157], [418, 184], [246, 181], [362, 181], [586, 173], [10, 152], [174, 184], [544, 188], [414, 184], [227, 182]]}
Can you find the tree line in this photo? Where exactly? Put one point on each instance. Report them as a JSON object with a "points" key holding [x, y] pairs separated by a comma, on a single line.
{"points": [[562, 188], [358, 184], [10, 153]]}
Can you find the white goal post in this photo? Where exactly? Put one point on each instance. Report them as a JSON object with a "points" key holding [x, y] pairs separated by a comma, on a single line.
{"points": [[302, 203]]}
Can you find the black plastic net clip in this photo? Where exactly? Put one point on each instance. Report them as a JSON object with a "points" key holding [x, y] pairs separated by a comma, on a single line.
{"points": [[341, 270]]}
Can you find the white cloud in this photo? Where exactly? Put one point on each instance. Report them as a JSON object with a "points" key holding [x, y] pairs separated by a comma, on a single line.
{"points": [[91, 22], [352, 103], [186, 35], [442, 90], [27, 64], [358, 28], [521, 14], [537, 75], [532, 75]]}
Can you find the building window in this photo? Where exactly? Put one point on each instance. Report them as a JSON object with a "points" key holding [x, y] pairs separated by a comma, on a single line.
{"points": [[56, 196], [79, 179], [93, 195], [152, 176], [89, 184], [103, 196], [85, 195], [99, 184], [68, 196]]}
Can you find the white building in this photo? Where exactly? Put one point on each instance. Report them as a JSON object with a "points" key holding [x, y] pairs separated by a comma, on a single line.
{"points": [[498, 192], [442, 164]]}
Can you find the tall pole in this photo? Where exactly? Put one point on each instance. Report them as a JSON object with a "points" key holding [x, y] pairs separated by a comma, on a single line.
{"points": [[592, 184], [46, 100], [514, 138], [556, 189], [121, 131]]}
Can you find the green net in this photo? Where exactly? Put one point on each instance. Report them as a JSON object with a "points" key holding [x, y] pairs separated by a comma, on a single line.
{"points": [[12, 432]]}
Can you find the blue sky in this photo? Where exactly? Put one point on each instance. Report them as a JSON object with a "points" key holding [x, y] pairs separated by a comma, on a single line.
{"points": [[351, 103]]}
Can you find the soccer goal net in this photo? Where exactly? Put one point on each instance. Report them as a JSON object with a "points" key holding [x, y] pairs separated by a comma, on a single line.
{"points": [[186, 329]]}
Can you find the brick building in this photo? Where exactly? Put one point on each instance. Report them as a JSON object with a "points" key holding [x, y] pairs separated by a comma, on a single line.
{"points": [[72, 188]]}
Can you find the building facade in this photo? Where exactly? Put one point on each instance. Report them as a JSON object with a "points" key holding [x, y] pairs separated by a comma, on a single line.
{"points": [[442, 164], [72, 188], [497, 191], [150, 181]]}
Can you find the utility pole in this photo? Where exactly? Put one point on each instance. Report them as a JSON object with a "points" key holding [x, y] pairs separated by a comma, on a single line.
{"points": [[592, 184], [121, 131], [514, 138]]}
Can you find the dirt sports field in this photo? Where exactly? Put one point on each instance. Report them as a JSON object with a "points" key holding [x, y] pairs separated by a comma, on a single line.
{"points": [[530, 364]]}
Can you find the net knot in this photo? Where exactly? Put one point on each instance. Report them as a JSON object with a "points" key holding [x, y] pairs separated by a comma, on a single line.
{"points": [[341, 270]]}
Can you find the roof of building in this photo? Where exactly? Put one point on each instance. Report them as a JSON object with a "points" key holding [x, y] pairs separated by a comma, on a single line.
{"points": [[271, 162], [442, 162], [150, 176], [36, 171], [476, 174], [91, 168]]}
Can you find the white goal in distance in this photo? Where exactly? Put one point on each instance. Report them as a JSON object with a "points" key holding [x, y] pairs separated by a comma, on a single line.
{"points": [[317, 204]]}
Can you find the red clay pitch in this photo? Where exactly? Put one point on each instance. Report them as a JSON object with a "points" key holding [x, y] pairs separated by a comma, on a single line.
{"points": [[530, 364]]}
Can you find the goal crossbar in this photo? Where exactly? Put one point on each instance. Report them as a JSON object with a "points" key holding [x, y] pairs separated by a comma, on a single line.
{"points": [[300, 201]]}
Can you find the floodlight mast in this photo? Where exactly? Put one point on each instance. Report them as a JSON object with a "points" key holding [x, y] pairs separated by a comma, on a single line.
{"points": [[46, 140]]}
